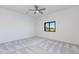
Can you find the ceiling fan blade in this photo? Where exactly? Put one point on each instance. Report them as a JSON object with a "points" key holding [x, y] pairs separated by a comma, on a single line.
{"points": [[43, 9], [34, 12], [37, 10], [36, 6], [31, 10], [40, 12]]}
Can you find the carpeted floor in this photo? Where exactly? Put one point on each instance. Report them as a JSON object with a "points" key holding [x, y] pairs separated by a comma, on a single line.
{"points": [[37, 45]]}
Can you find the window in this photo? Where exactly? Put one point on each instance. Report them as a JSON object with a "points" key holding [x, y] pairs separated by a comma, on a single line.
{"points": [[50, 26]]}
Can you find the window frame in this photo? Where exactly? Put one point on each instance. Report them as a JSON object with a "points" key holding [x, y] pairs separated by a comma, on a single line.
{"points": [[49, 29]]}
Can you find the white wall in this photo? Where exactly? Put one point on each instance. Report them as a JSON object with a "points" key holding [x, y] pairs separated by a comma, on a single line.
{"points": [[14, 26], [67, 25]]}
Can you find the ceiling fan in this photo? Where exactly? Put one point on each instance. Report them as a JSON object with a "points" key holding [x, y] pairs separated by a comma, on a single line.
{"points": [[37, 9]]}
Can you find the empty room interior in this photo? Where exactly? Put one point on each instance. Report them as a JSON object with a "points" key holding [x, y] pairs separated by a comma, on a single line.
{"points": [[39, 29]]}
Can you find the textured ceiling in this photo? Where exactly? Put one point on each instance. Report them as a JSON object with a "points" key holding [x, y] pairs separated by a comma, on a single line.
{"points": [[23, 9]]}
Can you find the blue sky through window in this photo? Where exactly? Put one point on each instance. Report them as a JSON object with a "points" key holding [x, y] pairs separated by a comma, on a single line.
{"points": [[52, 25]]}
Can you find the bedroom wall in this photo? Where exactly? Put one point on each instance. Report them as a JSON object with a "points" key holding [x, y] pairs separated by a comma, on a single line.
{"points": [[14, 26], [67, 25]]}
